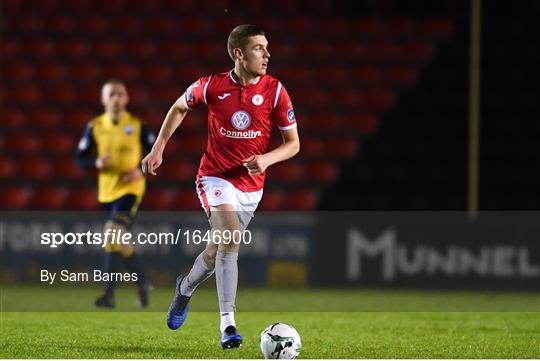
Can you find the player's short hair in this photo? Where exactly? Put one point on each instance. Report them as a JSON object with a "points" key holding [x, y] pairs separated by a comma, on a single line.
{"points": [[114, 81], [239, 37]]}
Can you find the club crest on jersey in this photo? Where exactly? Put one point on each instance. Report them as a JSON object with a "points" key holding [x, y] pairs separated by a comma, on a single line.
{"points": [[240, 120], [257, 99], [291, 116], [128, 129]]}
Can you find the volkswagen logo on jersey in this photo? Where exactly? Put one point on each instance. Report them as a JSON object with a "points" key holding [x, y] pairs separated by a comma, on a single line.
{"points": [[291, 116], [257, 99], [240, 120]]}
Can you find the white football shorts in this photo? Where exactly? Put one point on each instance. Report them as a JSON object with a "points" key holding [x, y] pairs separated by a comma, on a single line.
{"points": [[214, 191]]}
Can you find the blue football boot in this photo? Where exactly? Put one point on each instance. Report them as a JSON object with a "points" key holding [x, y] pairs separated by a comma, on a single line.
{"points": [[176, 316], [230, 338]]}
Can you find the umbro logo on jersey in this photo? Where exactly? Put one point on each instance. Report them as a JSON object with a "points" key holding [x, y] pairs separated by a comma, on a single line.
{"points": [[223, 96]]}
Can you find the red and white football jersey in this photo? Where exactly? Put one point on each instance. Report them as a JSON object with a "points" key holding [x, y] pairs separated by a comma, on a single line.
{"points": [[240, 119]]}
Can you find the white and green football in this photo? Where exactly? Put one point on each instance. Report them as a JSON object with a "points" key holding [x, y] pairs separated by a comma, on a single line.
{"points": [[280, 341]]}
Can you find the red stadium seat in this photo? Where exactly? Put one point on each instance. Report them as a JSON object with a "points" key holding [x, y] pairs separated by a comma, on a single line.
{"points": [[311, 97], [342, 147], [312, 147], [45, 6], [11, 118], [25, 22], [13, 6], [314, 50], [38, 48], [377, 99], [198, 25], [140, 49], [186, 199], [320, 171], [81, 199], [158, 199], [174, 50], [189, 73], [208, 47], [86, 72], [43, 117], [383, 50], [166, 94], [62, 94], [152, 117], [62, 24], [437, 27], [334, 74], [123, 71], [24, 94], [179, 170], [161, 25], [192, 146], [331, 26], [399, 75], [158, 73], [14, 198], [401, 27], [295, 75], [7, 168], [34, 168], [58, 143], [77, 7], [9, 48], [16, 70], [365, 74], [350, 49], [324, 122], [76, 119], [270, 24], [365, 123], [417, 51], [290, 171], [106, 49], [138, 94], [112, 6], [346, 98], [129, 23], [300, 200], [47, 198], [225, 24], [368, 27], [50, 72], [21, 143], [66, 169], [271, 200], [93, 24], [282, 51], [91, 93], [73, 49], [302, 25], [171, 150], [144, 6]]}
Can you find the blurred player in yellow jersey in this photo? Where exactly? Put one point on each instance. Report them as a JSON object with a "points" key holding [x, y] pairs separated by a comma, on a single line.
{"points": [[114, 143]]}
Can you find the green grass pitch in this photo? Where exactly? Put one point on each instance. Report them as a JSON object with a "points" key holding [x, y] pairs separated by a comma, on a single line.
{"points": [[332, 323]]}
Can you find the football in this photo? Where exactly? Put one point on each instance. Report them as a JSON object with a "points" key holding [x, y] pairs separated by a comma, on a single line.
{"points": [[280, 341]]}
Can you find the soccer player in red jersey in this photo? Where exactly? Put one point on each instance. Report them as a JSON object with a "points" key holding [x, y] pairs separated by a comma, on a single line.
{"points": [[243, 105]]}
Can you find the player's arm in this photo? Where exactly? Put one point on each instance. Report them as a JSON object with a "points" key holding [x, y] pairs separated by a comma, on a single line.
{"points": [[257, 164], [174, 117], [85, 156], [147, 141]]}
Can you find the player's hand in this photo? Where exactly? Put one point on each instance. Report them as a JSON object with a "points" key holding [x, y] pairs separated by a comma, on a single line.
{"points": [[132, 175], [151, 162], [103, 162], [256, 164]]}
